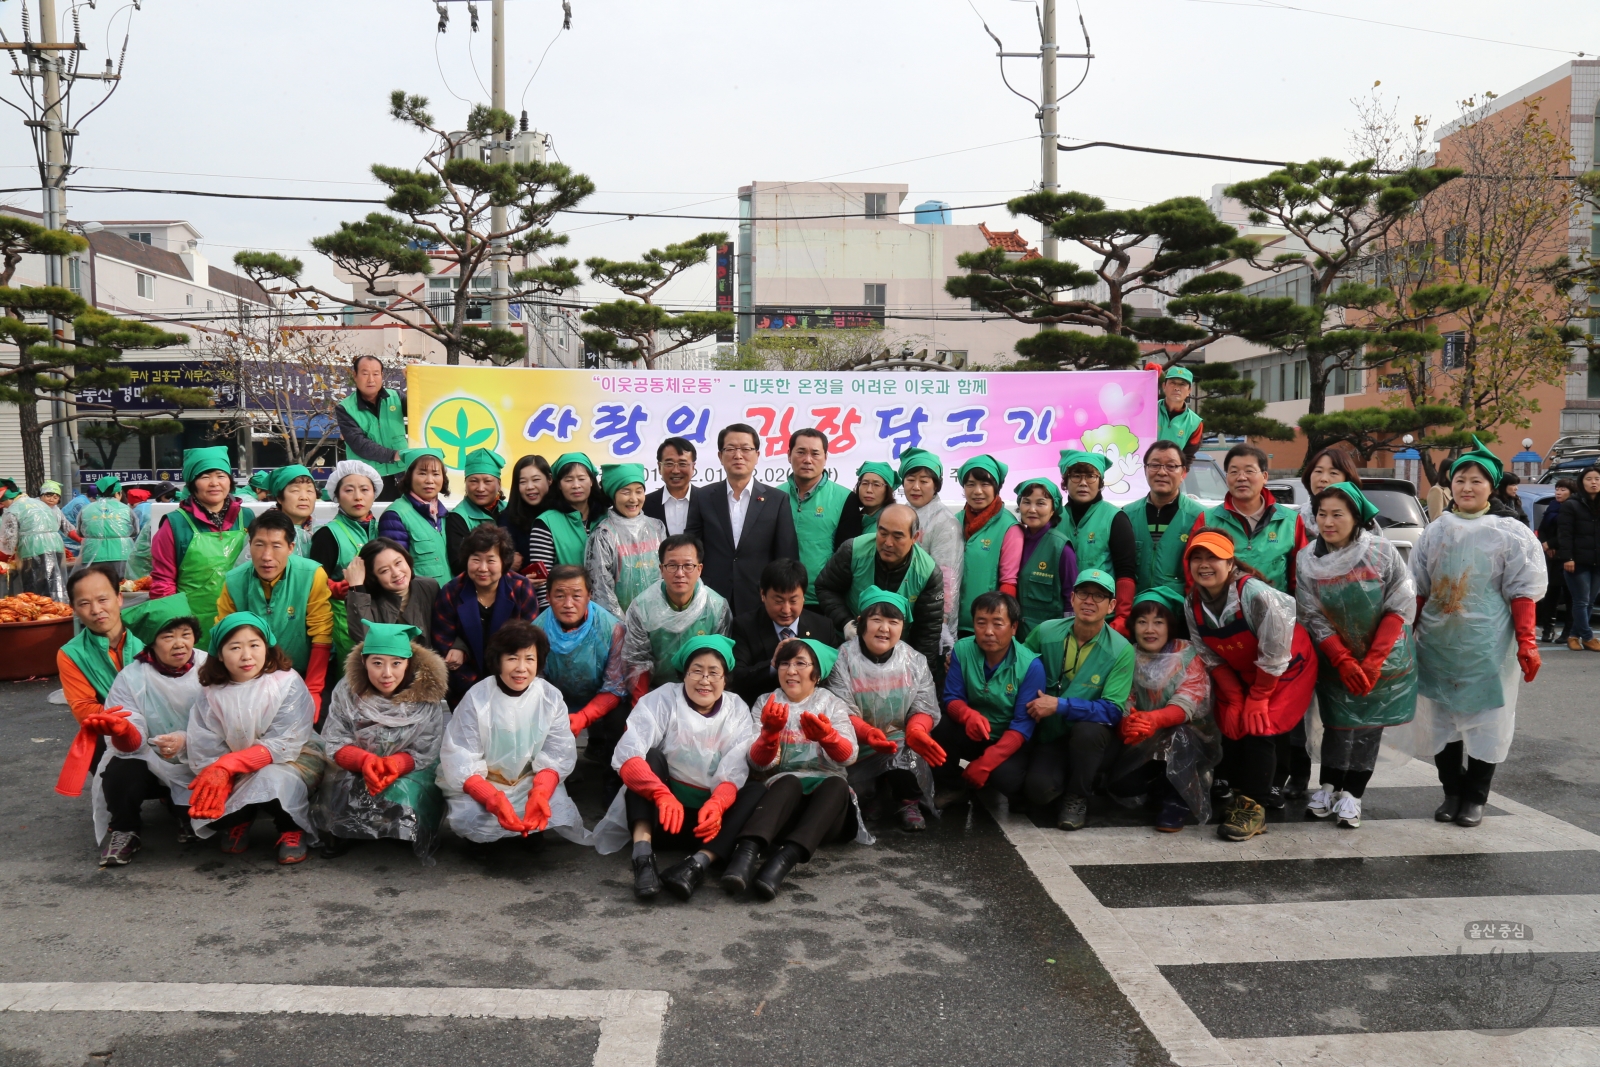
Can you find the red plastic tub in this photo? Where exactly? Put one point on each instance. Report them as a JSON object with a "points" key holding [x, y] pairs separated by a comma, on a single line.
{"points": [[28, 649]]}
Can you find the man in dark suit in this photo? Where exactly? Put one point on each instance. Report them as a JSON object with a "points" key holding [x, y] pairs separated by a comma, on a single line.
{"points": [[675, 458], [783, 614], [744, 524]]}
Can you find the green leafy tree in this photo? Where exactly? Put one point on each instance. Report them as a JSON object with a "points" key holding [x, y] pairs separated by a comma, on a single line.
{"points": [[1229, 407], [441, 222], [639, 330], [1169, 249], [53, 369]]}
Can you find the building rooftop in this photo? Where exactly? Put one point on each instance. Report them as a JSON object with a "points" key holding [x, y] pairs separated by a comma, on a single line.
{"points": [[1009, 241]]}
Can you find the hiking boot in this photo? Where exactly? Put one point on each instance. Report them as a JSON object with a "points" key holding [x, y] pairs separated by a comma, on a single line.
{"points": [[1349, 812], [1244, 820], [1074, 814], [911, 818], [236, 838], [1174, 813], [120, 847], [1322, 802], [291, 849]]}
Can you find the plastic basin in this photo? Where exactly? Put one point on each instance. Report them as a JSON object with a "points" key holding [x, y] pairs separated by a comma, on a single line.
{"points": [[31, 647]]}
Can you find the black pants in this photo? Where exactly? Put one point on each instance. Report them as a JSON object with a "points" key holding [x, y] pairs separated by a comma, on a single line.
{"points": [[282, 821], [896, 783], [127, 784], [1148, 780], [641, 809], [1068, 765], [1293, 759], [952, 737], [1250, 764], [606, 732], [390, 491], [1471, 784], [1555, 596], [789, 815]]}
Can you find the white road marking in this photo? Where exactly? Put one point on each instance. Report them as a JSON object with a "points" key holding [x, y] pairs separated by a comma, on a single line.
{"points": [[1552, 1046], [630, 1019], [1356, 929]]}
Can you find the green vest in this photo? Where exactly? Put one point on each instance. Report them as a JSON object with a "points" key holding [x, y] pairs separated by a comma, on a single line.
{"points": [[387, 427], [1091, 538], [92, 654], [1269, 549], [204, 558], [286, 611], [864, 565], [569, 533], [1161, 562], [349, 536], [428, 556], [994, 698], [1039, 581], [815, 519], [475, 515], [1050, 642], [980, 571], [1179, 428]]}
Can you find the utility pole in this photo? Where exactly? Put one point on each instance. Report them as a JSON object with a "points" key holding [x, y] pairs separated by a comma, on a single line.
{"points": [[1049, 109], [63, 456], [499, 264]]}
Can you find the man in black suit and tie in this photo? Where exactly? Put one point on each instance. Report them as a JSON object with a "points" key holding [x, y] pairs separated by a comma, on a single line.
{"points": [[783, 614], [744, 524], [675, 459]]}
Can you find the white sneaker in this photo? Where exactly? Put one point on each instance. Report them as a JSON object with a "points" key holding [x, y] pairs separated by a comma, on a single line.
{"points": [[1322, 802], [1349, 812]]}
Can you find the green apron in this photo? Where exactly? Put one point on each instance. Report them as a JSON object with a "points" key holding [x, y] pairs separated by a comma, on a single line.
{"points": [[815, 520], [1039, 581], [387, 427], [1269, 549], [92, 655], [664, 643], [1179, 428], [107, 529], [1160, 562], [1091, 538], [1353, 605], [1463, 639], [995, 698], [205, 557], [349, 536], [1050, 642], [864, 565], [570, 535], [428, 557], [286, 611], [980, 571]]}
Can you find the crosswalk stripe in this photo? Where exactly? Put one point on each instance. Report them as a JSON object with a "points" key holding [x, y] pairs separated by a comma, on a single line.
{"points": [[1356, 929], [1553, 1046]]}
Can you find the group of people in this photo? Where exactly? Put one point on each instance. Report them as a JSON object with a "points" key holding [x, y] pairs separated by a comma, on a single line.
{"points": [[43, 540], [758, 671]]}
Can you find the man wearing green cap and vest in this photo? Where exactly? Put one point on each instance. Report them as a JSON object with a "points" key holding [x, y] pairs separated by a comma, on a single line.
{"points": [[295, 492], [1267, 535], [1163, 518], [1088, 670], [889, 558], [481, 505], [107, 528], [816, 501], [1101, 535], [31, 532], [1174, 421], [984, 524], [201, 539], [291, 593], [258, 485], [985, 698], [372, 421]]}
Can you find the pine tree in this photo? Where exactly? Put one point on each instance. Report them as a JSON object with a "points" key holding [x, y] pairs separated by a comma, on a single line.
{"points": [[633, 330]]}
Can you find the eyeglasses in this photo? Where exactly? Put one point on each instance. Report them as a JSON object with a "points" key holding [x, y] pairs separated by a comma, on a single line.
{"points": [[1168, 467], [739, 450], [677, 464], [680, 568], [703, 674], [1083, 477]]}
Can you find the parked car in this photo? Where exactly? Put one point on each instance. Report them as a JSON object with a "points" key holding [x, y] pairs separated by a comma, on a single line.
{"points": [[1205, 482], [1401, 515]]}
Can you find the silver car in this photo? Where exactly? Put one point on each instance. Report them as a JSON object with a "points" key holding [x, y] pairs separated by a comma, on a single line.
{"points": [[1401, 516]]}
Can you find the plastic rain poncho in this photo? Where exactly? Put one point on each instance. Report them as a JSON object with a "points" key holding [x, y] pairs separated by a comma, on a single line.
{"points": [[1469, 571], [885, 695], [656, 630], [108, 530], [139, 559], [506, 740], [1346, 593], [587, 661], [30, 531], [942, 539], [1193, 748], [621, 559], [272, 710], [412, 721], [702, 751], [156, 704], [804, 758]]}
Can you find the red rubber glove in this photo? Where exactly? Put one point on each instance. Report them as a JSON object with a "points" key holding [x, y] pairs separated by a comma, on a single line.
{"points": [[494, 802], [536, 816], [1522, 611], [317, 676], [212, 786], [338, 590], [394, 767], [1125, 592], [870, 735], [1257, 716], [1390, 629], [637, 776], [1229, 702], [1351, 673], [970, 718], [774, 718], [598, 708], [978, 771], [921, 742], [75, 768], [709, 824], [1138, 725], [641, 687], [360, 761], [819, 729], [115, 725]]}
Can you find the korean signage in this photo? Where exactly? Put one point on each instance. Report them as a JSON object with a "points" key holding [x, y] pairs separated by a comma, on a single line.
{"points": [[725, 276], [1022, 419], [185, 374], [820, 318]]}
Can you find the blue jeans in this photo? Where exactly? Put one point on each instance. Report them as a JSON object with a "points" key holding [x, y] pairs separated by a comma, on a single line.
{"points": [[1583, 583]]}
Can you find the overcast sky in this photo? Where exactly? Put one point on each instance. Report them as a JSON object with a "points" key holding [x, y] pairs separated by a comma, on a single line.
{"points": [[673, 104]]}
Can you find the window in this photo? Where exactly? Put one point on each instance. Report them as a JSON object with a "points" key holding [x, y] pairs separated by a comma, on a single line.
{"points": [[209, 305], [877, 205], [875, 294], [483, 281], [75, 275], [146, 284], [1391, 383], [188, 298], [142, 238], [1454, 354]]}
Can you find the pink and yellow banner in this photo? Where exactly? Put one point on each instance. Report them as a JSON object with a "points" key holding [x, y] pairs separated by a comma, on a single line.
{"points": [[1022, 419]]}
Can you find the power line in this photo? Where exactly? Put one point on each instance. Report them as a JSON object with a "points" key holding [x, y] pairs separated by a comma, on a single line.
{"points": [[1169, 152]]}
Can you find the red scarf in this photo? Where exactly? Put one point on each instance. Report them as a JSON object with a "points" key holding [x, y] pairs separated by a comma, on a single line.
{"points": [[977, 521]]}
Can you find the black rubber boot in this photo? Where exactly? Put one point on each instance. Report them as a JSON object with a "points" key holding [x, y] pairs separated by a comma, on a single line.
{"points": [[741, 866], [685, 876], [777, 868]]}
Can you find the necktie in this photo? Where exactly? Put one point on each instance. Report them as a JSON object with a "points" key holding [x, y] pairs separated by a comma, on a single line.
{"points": [[786, 633]]}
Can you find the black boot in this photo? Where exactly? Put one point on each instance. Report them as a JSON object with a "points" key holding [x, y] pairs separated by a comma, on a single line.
{"points": [[646, 880], [776, 870], [741, 867], [685, 876], [334, 847], [1470, 815], [1448, 811]]}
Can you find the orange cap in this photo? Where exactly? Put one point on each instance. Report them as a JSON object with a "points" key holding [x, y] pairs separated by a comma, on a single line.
{"points": [[1216, 542]]}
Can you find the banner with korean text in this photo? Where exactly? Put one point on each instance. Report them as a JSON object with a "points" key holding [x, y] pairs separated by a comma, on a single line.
{"points": [[1022, 419]]}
